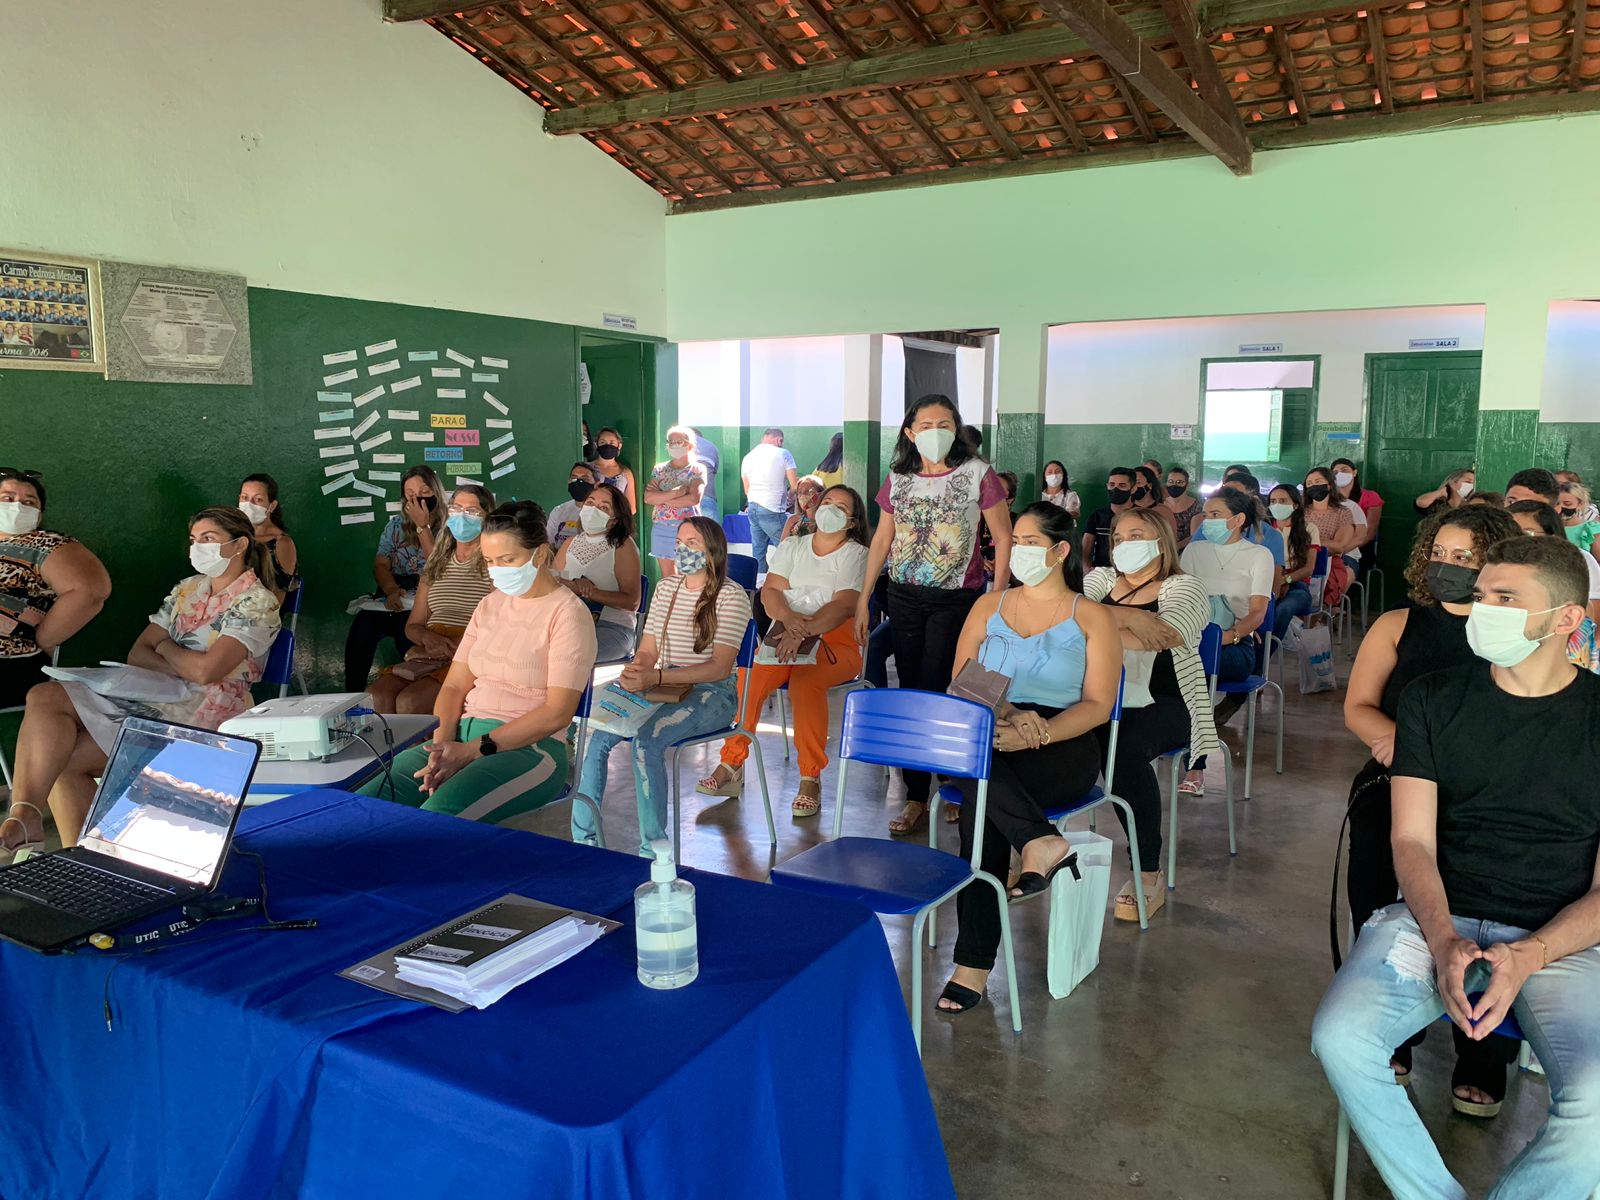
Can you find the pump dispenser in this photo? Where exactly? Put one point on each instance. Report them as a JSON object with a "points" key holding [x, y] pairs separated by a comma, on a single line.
{"points": [[664, 924]]}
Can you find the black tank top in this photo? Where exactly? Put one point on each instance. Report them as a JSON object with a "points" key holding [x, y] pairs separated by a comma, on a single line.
{"points": [[1163, 678], [1432, 640]]}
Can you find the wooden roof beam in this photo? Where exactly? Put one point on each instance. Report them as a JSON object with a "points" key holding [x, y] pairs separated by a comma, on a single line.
{"points": [[1380, 61], [970, 56], [1196, 51], [423, 10], [1580, 22], [1116, 41], [1280, 42]]}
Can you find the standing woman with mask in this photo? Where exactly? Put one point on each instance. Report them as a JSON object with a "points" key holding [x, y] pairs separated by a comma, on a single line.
{"points": [[674, 490], [1150, 496], [609, 466], [601, 566], [403, 549], [935, 497], [258, 500], [692, 635], [1402, 645], [1058, 489], [452, 583], [1300, 542], [51, 586], [1159, 613], [1185, 509], [213, 631], [1064, 657], [511, 691]]}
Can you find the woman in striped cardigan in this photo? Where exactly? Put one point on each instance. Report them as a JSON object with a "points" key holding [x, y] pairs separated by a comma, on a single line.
{"points": [[1161, 613]]}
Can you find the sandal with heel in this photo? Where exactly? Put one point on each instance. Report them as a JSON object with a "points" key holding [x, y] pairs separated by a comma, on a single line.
{"points": [[26, 848], [732, 787], [808, 800]]}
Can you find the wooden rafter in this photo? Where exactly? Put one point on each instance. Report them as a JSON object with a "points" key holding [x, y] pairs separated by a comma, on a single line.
{"points": [[460, 30], [797, 135], [853, 72], [691, 41], [1196, 51], [1380, 61], [1130, 101], [1058, 110], [981, 109], [1280, 42], [1111, 37], [421, 10], [1475, 11], [1580, 21]]}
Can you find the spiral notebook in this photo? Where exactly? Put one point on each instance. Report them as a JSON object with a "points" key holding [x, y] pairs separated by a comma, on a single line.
{"points": [[474, 960]]}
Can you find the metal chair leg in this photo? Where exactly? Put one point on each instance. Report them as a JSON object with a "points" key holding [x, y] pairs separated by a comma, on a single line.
{"points": [[677, 808], [783, 720], [1341, 1157], [766, 798], [1006, 947], [1249, 741], [1133, 849], [1279, 690], [916, 976], [5, 768], [1172, 830]]}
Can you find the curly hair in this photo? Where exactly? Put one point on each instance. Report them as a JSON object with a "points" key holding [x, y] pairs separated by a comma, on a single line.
{"points": [[1486, 525]]}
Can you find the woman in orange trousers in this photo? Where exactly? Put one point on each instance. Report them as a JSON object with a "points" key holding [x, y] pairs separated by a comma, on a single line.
{"points": [[812, 586]]}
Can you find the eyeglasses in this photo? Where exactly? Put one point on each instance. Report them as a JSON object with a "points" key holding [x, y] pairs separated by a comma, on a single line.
{"points": [[27, 476], [455, 510], [1462, 558]]}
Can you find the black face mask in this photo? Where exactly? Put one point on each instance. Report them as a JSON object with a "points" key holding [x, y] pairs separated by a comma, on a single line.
{"points": [[430, 502], [1450, 583], [609, 452], [1176, 489], [1118, 495], [1140, 493], [1317, 491], [588, 451], [579, 490]]}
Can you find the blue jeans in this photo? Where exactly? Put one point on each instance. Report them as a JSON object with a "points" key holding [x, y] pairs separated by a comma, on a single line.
{"points": [[1295, 603], [766, 530], [1374, 1004], [708, 708]]}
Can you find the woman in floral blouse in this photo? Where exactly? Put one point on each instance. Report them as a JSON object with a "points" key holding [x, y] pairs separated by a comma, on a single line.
{"points": [[674, 491], [212, 633]]}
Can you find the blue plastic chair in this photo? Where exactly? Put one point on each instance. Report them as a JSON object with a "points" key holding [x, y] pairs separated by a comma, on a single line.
{"points": [[5, 767], [925, 731], [1058, 814], [743, 569], [1251, 686], [1210, 653], [279, 670]]}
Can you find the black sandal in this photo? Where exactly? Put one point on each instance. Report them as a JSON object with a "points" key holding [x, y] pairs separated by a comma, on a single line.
{"points": [[1400, 1060], [1031, 883], [1487, 1076], [964, 997]]}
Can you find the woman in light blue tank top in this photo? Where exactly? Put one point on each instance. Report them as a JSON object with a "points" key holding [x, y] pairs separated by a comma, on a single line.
{"points": [[1063, 656]]}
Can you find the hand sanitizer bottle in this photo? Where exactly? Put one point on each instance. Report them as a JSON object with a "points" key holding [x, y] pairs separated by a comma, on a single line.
{"points": [[664, 925]]}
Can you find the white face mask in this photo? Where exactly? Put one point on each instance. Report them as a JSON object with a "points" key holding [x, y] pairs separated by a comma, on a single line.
{"points": [[1031, 564], [1464, 490], [1052, 480], [934, 444], [1500, 635], [514, 581], [594, 520], [208, 559], [256, 512], [1281, 512], [1343, 478], [831, 519], [17, 517], [1132, 557]]}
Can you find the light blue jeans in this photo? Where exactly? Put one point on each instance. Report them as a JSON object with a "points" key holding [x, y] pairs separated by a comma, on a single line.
{"points": [[706, 709], [766, 531], [1387, 991]]}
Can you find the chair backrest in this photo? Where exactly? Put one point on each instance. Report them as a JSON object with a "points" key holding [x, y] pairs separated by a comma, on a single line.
{"points": [[1268, 624], [1210, 649], [279, 668], [926, 731], [1320, 571], [750, 647], [644, 593], [743, 569]]}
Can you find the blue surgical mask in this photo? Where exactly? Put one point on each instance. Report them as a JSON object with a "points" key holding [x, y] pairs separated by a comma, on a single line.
{"points": [[514, 581], [1216, 530], [690, 560], [465, 527]]}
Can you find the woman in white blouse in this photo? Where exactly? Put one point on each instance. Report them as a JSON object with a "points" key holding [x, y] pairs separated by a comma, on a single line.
{"points": [[600, 565], [812, 585]]}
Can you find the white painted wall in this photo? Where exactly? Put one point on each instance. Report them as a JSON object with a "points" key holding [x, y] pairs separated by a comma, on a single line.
{"points": [[1572, 363], [710, 388], [1149, 371], [774, 381], [309, 146]]}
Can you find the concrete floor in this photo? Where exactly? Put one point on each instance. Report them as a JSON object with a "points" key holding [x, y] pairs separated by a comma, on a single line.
{"points": [[1181, 1067]]}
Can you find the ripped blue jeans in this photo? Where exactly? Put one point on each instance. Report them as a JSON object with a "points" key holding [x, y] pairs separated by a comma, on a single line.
{"points": [[706, 709], [1387, 990]]}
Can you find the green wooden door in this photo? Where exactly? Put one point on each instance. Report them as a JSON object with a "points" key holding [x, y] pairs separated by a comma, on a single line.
{"points": [[1422, 423]]}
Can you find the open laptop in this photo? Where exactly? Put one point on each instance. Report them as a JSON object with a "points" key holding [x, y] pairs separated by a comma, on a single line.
{"points": [[156, 837]]}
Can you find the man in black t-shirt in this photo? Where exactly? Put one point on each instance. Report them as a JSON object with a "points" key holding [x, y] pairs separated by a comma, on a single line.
{"points": [[1120, 482], [1496, 831]]}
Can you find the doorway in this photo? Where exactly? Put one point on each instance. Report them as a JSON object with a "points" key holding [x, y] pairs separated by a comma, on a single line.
{"points": [[1421, 424], [1259, 413]]}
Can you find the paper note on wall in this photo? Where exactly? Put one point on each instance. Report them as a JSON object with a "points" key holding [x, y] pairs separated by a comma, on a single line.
{"points": [[338, 431], [448, 420], [505, 470], [339, 377], [368, 397], [485, 377], [404, 385], [383, 368], [418, 437], [341, 356], [355, 501], [467, 468], [340, 468], [336, 484], [333, 397], [442, 454], [447, 372], [367, 423], [422, 355], [503, 455], [460, 358], [381, 347], [384, 476], [336, 451], [403, 414], [366, 487], [495, 404], [497, 423], [357, 518], [389, 458], [376, 440], [451, 393], [336, 414], [462, 437], [495, 362], [501, 440]]}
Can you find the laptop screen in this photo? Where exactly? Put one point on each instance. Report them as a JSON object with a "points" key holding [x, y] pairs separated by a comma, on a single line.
{"points": [[170, 797]]}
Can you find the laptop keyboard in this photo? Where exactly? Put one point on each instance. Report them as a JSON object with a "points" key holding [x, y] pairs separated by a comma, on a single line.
{"points": [[77, 888]]}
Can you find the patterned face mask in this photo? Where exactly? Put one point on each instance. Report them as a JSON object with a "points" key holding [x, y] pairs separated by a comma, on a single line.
{"points": [[690, 560]]}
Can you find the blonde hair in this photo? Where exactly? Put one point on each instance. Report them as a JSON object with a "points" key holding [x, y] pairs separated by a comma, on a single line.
{"points": [[444, 544], [1578, 492], [1152, 520]]}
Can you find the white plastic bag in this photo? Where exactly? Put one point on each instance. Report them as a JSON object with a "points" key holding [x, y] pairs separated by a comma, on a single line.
{"points": [[617, 710], [1316, 660], [1078, 913], [119, 681], [1292, 635]]}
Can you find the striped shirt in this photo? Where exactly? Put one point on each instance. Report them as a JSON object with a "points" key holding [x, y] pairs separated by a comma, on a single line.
{"points": [[1182, 603], [671, 621], [455, 592]]}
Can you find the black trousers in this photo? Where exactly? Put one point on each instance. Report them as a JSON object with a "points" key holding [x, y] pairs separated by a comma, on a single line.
{"points": [[1145, 733], [924, 627], [1022, 783], [1371, 884], [367, 632]]}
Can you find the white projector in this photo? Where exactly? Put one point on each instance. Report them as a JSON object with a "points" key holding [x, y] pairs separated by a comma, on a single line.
{"points": [[298, 728]]}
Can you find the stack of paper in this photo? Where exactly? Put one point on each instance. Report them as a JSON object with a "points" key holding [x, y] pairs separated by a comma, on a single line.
{"points": [[481, 957]]}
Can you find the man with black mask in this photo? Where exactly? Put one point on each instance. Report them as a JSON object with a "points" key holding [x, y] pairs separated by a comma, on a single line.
{"points": [[1120, 482], [1401, 646], [562, 523]]}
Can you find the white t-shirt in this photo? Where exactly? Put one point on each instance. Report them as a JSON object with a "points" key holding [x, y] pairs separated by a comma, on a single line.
{"points": [[814, 579], [562, 523], [1235, 572], [1359, 516], [1594, 576], [767, 469]]}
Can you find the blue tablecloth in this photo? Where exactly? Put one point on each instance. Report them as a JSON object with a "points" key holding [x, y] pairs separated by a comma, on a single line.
{"points": [[241, 1065]]}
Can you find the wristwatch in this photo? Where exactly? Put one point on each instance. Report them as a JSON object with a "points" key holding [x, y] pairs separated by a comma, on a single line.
{"points": [[486, 745]]}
